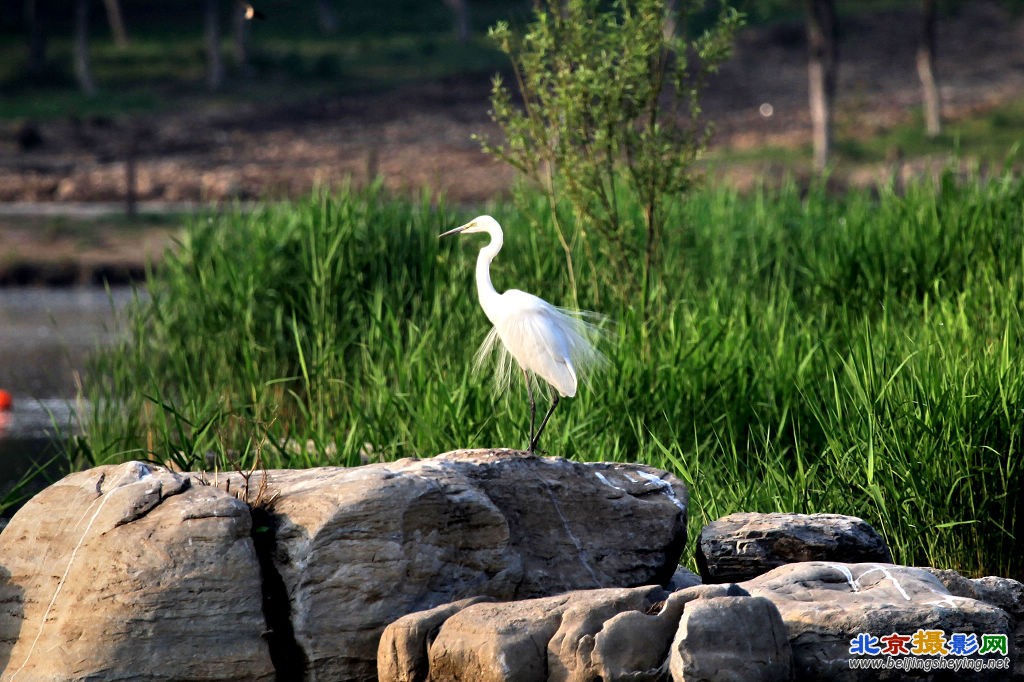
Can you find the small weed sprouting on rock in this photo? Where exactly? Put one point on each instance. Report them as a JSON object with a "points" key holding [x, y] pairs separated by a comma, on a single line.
{"points": [[257, 495]]}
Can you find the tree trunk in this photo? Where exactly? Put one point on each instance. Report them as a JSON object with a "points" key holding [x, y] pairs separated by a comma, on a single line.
{"points": [[34, 17], [214, 59], [671, 27], [461, 10], [241, 46], [83, 66], [926, 70], [116, 21], [822, 61]]}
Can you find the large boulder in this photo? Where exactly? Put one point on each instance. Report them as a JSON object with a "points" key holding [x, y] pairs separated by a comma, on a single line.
{"points": [[136, 572], [826, 606], [804, 621], [549, 638], [402, 651], [746, 544], [358, 548], [131, 572], [731, 639], [579, 636], [1004, 593]]}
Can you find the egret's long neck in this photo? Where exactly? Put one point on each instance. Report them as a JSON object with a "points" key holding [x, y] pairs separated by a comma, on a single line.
{"points": [[484, 288]]}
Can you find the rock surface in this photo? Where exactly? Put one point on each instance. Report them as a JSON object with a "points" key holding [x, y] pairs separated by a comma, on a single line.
{"points": [[797, 621], [1004, 593], [135, 572], [402, 651], [131, 572], [603, 634], [553, 638], [742, 546], [481, 565], [731, 639], [633, 645], [358, 548], [827, 604]]}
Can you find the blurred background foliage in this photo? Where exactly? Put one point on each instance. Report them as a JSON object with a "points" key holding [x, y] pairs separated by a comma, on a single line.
{"points": [[299, 48]]}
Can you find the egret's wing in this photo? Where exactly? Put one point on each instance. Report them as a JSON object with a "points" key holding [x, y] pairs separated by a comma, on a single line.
{"points": [[557, 345]]}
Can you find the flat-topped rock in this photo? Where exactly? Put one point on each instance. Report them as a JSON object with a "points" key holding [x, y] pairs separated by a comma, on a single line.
{"points": [[137, 572], [358, 548], [744, 545], [827, 605]]}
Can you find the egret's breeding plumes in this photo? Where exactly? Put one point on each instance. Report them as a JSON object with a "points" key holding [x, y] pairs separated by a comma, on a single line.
{"points": [[551, 343]]}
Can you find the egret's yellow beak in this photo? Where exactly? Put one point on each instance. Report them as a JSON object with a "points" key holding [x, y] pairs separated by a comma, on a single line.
{"points": [[454, 230]]}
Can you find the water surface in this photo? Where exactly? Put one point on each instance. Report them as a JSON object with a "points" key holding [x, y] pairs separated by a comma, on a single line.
{"points": [[46, 336]]}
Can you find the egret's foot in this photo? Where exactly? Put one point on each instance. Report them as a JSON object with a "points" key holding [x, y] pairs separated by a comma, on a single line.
{"points": [[534, 450]]}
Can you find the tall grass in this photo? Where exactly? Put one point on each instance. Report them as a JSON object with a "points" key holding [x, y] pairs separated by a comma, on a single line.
{"points": [[804, 352]]}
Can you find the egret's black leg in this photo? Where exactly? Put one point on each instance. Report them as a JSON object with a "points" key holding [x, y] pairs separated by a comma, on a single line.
{"points": [[533, 406], [536, 439]]}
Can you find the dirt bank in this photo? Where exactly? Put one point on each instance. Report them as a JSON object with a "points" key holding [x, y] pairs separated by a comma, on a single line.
{"points": [[418, 138]]}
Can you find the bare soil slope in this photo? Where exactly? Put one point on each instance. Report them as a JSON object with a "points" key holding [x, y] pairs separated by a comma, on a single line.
{"points": [[418, 138]]}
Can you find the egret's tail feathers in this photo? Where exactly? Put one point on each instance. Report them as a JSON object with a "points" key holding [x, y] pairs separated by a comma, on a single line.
{"points": [[587, 333], [582, 332], [505, 364]]}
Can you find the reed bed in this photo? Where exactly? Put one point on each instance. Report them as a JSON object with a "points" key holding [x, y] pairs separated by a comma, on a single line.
{"points": [[806, 352]]}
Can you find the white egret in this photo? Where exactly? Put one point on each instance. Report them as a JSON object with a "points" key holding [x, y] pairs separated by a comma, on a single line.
{"points": [[554, 344]]}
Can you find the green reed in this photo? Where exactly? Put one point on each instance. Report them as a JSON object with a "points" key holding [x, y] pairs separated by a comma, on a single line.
{"points": [[805, 352]]}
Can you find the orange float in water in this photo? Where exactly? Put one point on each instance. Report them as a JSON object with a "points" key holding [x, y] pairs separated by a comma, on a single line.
{"points": [[5, 400]]}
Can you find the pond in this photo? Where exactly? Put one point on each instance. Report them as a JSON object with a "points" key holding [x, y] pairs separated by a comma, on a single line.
{"points": [[46, 336]]}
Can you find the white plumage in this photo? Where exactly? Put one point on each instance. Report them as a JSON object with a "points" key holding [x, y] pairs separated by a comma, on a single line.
{"points": [[554, 344]]}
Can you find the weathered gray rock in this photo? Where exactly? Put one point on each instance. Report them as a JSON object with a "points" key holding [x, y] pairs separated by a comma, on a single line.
{"points": [[731, 639], [602, 634], [682, 579], [1004, 593], [827, 604], [571, 650], [504, 642], [551, 638], [358, 548], [743, 545], [138, 572], [795, 622], [131, 572], [403, 647], [635, 645]]}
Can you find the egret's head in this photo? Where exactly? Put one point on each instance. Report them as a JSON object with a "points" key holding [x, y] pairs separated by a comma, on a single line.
{"points": [[484, 223]]}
